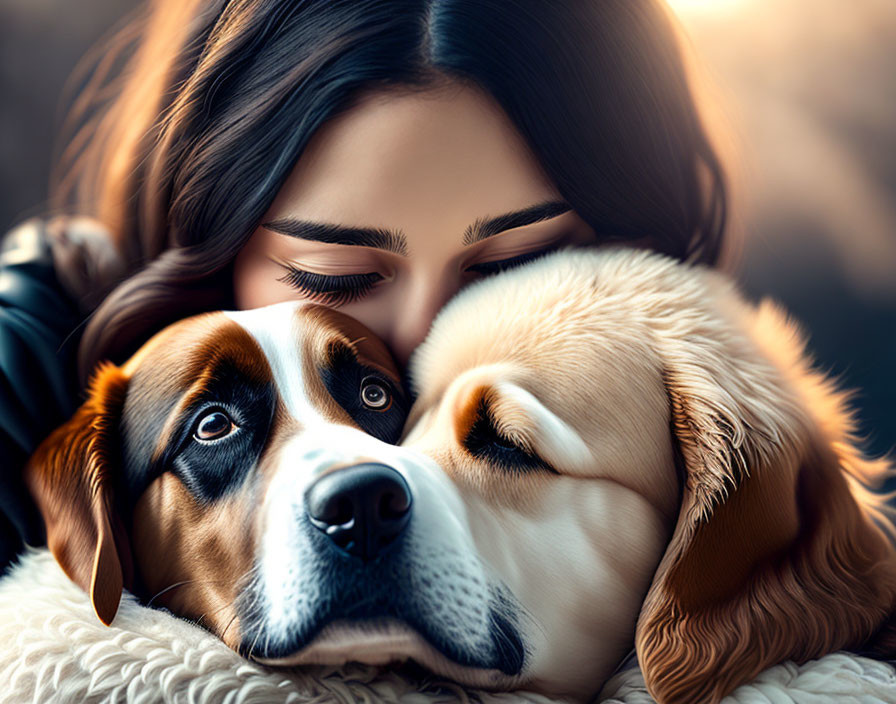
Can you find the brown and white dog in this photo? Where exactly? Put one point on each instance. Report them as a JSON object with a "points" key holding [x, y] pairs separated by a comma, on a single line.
{"points": [[607, 448]]}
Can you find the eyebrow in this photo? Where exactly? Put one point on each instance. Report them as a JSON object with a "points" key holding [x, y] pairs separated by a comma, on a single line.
{"points": [[396, 241]]}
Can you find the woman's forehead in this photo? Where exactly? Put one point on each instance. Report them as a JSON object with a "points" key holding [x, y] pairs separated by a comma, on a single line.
{"points": [[415, 161]]}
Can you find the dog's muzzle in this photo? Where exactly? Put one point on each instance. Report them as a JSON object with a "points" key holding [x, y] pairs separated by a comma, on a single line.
{"points": [[368, 562], [362, 509]]}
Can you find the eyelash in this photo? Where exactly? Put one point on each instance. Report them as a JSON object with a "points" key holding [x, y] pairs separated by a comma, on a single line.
{"points": [[330, 290], [338, 290], [505, 264]]}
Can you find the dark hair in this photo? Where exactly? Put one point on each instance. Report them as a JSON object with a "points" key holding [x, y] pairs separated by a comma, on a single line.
{"points": [[218, 100]]}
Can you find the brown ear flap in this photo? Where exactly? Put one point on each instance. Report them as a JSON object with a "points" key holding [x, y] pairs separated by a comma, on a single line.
{"points": [[70, 478], [774, 556]]}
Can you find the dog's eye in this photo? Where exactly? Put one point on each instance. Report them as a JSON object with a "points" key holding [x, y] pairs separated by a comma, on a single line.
{"points": [[375, 395], [213, 426], [485, 442]]}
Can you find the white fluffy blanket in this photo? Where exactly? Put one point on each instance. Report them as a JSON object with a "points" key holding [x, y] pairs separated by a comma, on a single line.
{"points": [[55, 650]]}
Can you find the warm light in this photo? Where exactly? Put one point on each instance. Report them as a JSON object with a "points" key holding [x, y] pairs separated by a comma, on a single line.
{"points": [[685, 6]]}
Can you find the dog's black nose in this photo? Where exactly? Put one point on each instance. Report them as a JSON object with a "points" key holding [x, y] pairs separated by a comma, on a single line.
{"points": [[362, 508]]}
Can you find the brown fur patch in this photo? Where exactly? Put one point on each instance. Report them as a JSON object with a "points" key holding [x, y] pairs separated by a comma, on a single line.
{"points": [[702, 632], [467, 412], [783, 564], [194, 558], [324, 327], [197, 558], [72, 474], [71, 480], [177, 366], [369, 348]]}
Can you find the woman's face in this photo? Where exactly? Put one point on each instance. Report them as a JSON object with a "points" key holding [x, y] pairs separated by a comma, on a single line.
{"points": [[398, 203]]}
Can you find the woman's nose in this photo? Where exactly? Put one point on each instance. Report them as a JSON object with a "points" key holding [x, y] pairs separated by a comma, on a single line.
{"points": [[414, 317]]}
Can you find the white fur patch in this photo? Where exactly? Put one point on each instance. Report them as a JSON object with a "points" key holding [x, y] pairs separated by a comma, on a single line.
{"points": [[438, 523], [274, 328], [286, 561]]}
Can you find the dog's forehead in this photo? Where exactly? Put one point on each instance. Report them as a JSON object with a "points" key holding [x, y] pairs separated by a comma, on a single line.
{"points": [[169, 374], [172, 361], [276, 331], [296, 337], [273, 360]]}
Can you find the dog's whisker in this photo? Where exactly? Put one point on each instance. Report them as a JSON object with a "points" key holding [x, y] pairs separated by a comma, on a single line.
{"points": [[227, 627], [181, 584], [169, 588], [247, 580], [198, 621], [254, 642], [267, 641]]}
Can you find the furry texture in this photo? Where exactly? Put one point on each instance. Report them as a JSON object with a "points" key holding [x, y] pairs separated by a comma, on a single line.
{"points": [[55, 650], [775, 554], [781, 550]]}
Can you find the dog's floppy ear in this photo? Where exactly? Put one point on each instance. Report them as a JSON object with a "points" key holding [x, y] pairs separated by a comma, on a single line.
{"points": [[70, 477], [774, 555]]}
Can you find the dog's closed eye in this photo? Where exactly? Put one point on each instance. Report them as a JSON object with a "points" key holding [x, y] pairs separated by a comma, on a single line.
{"points": [[507, 426], [487, 443]]}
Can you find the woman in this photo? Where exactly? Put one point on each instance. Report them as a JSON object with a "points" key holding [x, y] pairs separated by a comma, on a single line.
{"points": [[369, 154]]}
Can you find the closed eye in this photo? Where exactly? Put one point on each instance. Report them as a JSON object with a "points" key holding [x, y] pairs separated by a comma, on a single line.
{"points": [[339, 290], [329, 290], [500, 265], [486, 442]]}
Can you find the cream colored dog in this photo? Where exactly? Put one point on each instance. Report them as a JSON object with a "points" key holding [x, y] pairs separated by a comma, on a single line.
{"points": [[608, 449], [645, 457]]}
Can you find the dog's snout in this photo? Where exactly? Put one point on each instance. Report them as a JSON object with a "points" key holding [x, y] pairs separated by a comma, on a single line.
{"points": [[362, 509]]}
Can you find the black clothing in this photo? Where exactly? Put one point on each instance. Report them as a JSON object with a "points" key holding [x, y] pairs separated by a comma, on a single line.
{"points": [[39, 332]]}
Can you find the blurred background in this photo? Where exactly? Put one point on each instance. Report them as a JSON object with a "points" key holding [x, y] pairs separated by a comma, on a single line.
{"points": [[805, 92]]}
